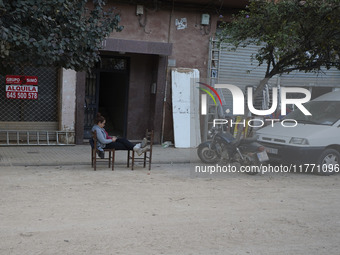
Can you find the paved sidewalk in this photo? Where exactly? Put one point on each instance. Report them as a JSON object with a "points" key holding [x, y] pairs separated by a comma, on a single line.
{"points": [[81, 155]]}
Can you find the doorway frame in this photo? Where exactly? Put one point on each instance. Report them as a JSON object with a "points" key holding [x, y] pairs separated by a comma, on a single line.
{"points": [[114, 46], [127, 85], [97, 71]]}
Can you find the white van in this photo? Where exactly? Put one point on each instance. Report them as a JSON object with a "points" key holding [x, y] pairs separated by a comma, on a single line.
{"points": [[314, 143]]}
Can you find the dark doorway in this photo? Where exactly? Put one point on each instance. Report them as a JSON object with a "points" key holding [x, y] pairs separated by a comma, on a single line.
{"points": [[113, 99], [106, 91]]}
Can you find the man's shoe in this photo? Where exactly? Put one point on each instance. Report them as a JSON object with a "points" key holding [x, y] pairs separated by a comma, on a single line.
{"points": [[101, 154], [140, 151], [144, 143]]}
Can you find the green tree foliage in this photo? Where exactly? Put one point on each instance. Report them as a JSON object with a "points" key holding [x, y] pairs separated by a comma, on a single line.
{"points": [[293, 35], [60, 33]]}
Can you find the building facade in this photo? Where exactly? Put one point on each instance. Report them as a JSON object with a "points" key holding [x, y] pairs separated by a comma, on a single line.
{"points": [[131, 86]]}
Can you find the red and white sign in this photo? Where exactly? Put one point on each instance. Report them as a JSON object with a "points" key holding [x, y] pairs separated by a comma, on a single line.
{"points": [[21, 80], [21, 92], [21, 87]]}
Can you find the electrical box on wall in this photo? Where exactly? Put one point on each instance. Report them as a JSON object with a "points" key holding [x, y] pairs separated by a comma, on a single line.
{"points": [[172, 62], [205, 19], [139, 10], [153, 88]]}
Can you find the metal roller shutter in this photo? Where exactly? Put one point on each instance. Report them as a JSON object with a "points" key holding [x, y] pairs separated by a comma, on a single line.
{"points": [[237, 68]]}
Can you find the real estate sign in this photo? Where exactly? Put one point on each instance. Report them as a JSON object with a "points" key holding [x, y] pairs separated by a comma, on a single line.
{"points": [[21, 87]]}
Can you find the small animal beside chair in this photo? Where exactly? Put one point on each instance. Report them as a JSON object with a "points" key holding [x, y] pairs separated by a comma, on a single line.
{"points": [[132, 156]]}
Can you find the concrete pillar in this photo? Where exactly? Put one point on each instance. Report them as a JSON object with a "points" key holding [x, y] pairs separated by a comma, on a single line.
{"points": [[67, 103]]}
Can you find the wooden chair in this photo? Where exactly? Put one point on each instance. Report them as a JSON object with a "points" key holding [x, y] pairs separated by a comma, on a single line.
{"points": [[147, 155], [94, 151]]}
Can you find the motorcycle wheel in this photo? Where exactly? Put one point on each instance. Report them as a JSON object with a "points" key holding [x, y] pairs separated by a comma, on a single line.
{"points": [[207, 155]]}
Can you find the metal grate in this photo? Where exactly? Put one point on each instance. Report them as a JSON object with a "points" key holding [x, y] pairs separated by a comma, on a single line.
{"points": [[91, 103], [45, 108]]}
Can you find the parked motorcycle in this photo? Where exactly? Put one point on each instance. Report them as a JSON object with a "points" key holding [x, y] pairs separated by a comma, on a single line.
{"points": [[224, 148]]}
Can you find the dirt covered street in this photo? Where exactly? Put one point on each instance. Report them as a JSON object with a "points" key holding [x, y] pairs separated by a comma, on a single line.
{"points": [[74, 210]]}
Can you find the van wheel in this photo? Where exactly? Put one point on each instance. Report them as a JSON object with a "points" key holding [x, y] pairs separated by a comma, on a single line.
{"points": [[328, 162]]}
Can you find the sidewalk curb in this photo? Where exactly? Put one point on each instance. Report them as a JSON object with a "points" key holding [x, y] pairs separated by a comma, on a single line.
{"points": [[80, 155]]}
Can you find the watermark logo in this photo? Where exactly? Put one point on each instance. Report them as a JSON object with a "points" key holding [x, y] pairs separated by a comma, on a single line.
{"points": [[204, 97], [239, 98]]}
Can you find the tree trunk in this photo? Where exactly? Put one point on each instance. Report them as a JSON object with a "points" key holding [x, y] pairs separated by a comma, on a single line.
{"points": [[259, 89]]}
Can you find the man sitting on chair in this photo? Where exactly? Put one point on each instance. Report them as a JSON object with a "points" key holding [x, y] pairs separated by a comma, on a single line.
{"points": [[105, 141]]}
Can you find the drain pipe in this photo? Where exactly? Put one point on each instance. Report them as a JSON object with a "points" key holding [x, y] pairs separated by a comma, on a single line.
{"points": [[167, 74]]}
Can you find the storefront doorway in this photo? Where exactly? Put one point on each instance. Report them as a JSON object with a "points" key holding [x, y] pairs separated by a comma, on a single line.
{"points": [[113, 98], [106, 91]]}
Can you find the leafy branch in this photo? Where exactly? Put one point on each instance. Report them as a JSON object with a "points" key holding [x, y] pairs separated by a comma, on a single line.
{"points": [[61, 33]]}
